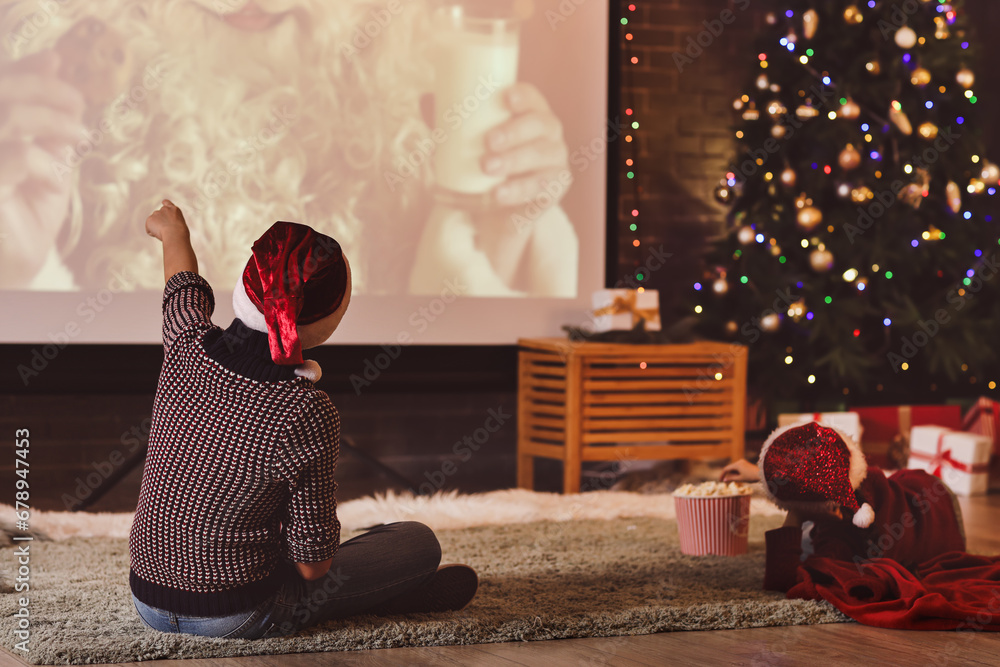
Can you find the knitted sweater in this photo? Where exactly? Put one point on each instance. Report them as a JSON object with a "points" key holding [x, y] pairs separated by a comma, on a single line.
{"points": [[239, 475]]}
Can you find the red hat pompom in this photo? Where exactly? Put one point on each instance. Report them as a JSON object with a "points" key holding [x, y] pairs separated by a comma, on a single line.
{"points": [[296, 275]]}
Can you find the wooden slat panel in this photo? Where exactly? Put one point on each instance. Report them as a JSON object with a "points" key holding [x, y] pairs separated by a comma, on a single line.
{"points": [[677, 398], [657, 436], [633, 371], [542, 449], [541, 434], [704, 384], [544, 421], [537, 383], [594, 425], [545, 369], [723, 411], [657, 452], [545, 408]]}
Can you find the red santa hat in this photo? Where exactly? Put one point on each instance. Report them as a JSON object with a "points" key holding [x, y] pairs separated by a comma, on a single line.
{"points": [[295, 276], [812, 468]]}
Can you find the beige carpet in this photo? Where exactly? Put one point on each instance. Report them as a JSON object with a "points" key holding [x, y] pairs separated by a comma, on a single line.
{"points": [[543, 580]]}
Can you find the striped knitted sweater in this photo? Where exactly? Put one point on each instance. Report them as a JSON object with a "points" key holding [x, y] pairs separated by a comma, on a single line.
{"points": [[239, 475]]}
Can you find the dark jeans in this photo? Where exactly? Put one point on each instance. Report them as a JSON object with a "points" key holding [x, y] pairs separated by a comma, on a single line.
{"points": [[368, 570]]}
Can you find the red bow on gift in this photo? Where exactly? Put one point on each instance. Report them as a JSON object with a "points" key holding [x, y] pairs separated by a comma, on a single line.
{"points": [[942, 457]]}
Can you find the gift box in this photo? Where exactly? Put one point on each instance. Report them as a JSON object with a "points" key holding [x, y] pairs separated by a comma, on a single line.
{"points": [[623, 309], [960, 459], [887, 430], [845, 422], [983, 418]]}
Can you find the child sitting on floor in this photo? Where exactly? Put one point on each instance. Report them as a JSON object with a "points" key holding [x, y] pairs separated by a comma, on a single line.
{"points": [[236, 532]]}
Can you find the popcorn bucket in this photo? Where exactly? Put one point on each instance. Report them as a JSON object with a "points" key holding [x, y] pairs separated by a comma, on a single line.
{"points": [[713, 525]]}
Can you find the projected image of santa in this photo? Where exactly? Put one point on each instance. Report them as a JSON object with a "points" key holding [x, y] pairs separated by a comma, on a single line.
{"points": [[398, 127]]}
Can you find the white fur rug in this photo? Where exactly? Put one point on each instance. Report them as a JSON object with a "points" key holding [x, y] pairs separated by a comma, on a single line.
{"points": [[441, 511]]}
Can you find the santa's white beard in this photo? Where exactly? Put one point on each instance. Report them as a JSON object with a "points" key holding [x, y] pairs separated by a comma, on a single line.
{"points": [[241, 129]]}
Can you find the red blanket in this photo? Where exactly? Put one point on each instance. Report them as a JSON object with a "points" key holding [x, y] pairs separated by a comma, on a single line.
{"points": [[955, 591]]}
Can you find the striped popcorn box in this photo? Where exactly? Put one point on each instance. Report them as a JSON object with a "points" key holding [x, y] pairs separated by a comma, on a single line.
{"points": [[713, 525]]}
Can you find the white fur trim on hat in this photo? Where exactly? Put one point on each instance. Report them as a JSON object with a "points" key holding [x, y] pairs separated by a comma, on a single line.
{"points": [[857, 473], [309, 370], [246, 311], [864, 517]]}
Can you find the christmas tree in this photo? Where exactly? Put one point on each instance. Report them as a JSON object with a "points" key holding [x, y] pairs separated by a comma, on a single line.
{"points": [[862, 249]]}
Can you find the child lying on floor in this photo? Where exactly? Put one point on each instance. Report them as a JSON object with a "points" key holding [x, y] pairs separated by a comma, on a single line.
{"points": [[840, 508], [236, 532]]}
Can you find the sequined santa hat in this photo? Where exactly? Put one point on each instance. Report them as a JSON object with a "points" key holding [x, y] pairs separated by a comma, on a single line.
{"points": [[295, 276], [814, 468]]}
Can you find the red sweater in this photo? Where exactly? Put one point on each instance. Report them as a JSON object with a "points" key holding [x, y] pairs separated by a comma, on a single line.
{"points": [[916, 519]]}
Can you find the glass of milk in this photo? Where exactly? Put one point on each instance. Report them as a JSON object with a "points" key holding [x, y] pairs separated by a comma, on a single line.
{"points": [[475, 58]]}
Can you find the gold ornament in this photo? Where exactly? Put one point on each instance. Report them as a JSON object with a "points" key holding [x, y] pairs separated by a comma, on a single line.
{"points": [[788, 177], [873, 67], [850, 110], [853, 15], [861, 194], [954, 196], [745, 235], [899, 118], [920, 77], [928, 130], [914, 193], [821, 260], [809, 217], [770, 322], [776, 109], [941, 28], [906, 38], [849, 158], [810, 22], [723, 193], [965, 77], [990, 173], [807, 111]]}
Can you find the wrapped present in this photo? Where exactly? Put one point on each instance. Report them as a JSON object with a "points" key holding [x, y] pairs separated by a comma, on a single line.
{"points": [[624, 309], [887, 430], [845, 422], [960, 459], [984, 418]]}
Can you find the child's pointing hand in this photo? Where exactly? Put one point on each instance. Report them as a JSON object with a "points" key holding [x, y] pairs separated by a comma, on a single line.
{"points": [[166, 221]]}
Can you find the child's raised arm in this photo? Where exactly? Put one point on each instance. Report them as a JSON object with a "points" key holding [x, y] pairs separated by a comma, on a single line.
{"points": [[167, 224]]}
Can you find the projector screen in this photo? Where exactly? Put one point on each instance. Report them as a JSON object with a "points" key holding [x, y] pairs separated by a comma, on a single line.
{"points": [[456, 150]]}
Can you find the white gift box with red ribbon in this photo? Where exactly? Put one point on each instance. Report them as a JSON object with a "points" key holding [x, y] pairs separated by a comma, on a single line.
{"points": [[848, 423], [960, 459], [623, 309]]}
